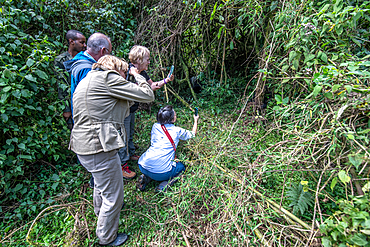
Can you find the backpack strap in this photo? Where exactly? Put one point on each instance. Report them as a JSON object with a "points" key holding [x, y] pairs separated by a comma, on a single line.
{"points": [[168, 136]]}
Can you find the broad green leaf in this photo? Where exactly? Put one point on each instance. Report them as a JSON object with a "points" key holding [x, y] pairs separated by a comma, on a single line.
{"points": [[55, 177], [30, 62], [348, 88], [18, 187], [316, 90], [54, 186], [4, 117], [4, 97], [343, 177], [355, 160], [31, 78], [7, 89], [359, 239], [350, 136], [42, 74], [285, 68], [309, 57], [295, 64], [42, 193], [333, 183], [339, 29], [27, 157], [292, 55], [21, 146], [366, 188], [326, 242], [367, 232], [278, 99], [335, 87], [231, 45], [324, 57]]}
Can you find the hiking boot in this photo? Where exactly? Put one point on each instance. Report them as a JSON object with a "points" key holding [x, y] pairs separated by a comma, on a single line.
{"points": [[163, 186], [120, 239], [134, 157], [126, 173], [142, 182]]}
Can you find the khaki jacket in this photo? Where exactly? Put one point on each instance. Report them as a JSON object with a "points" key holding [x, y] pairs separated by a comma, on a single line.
{"points": [[101, 103]]}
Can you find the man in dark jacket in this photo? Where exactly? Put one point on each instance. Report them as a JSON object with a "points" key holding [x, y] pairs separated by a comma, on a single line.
{"points": [[76, 43]]}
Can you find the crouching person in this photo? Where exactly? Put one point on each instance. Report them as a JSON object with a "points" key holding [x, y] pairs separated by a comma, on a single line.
{"points": [[101, 102], [157, 162]]}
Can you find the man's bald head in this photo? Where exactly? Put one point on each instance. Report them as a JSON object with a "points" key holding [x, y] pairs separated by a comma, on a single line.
{"points": [[98, 45]]}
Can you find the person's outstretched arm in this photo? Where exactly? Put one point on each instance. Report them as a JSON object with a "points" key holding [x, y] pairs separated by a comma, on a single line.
{"points": [[157, 85], [195, 126]]}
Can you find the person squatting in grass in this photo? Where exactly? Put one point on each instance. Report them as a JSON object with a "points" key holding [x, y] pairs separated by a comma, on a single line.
{"points": [[101, 102], [158, 161], [140, 59]]}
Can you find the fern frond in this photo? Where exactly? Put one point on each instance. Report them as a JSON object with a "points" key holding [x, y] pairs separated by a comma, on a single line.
{"points": [[300, 200]]}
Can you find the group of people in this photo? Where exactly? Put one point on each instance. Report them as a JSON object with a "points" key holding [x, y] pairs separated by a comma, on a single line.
{"points": [[105, 91]]}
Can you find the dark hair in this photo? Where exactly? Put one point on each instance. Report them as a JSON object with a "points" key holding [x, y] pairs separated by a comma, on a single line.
{"points": [[166, 115], [72, 34]]}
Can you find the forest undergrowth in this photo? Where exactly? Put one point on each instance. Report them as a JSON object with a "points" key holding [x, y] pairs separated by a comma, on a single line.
{"points": [[281, 157]]}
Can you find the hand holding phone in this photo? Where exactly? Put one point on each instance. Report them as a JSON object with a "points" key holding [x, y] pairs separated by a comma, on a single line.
{"points": [[171, 71]]}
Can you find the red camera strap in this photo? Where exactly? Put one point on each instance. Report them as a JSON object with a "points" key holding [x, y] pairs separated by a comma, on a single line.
{"points": [[168, 136]]}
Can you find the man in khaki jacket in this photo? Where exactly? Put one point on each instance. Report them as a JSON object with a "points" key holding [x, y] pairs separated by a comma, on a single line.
{"points": [[101, 103]]}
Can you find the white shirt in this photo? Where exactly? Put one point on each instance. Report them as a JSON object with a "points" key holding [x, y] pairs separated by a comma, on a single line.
{"points": [[159, 158]]}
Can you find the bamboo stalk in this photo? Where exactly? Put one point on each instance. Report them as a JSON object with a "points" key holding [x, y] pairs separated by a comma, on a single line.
{"points": [[283, 210], [160, 63], [181, 99]]}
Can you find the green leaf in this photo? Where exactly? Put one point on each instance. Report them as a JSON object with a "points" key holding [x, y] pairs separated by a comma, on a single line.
{"points": [[27, 157], [348, 88], [359, 239], [30, 62], [326, 242], [18, 187], [42, 193], [4, 117], [214, 11], [21, 146], [324, 57], [30, 78], [55, 177], [333, 183], [42, 74], [54, 186], [344, 177], [367, 232], [350, 136], [292, 55], [278, 99], [295, 64], [231, 45], [335, 87], [355, 160], [309, 57], [7, 89], [316, 90]]}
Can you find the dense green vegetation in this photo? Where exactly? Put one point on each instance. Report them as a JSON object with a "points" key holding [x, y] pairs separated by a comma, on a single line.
{"points": [[281, 158]]}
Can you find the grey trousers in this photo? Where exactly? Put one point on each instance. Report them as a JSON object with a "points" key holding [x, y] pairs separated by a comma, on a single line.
{"points": [[108, 192], [130, 127]]}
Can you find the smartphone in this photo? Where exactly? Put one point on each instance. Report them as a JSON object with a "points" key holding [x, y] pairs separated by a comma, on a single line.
{"points": [[196, 111], [171, 71]]}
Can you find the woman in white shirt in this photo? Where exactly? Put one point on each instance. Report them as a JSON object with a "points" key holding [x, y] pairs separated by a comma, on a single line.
{"points": [[157, 162]]}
